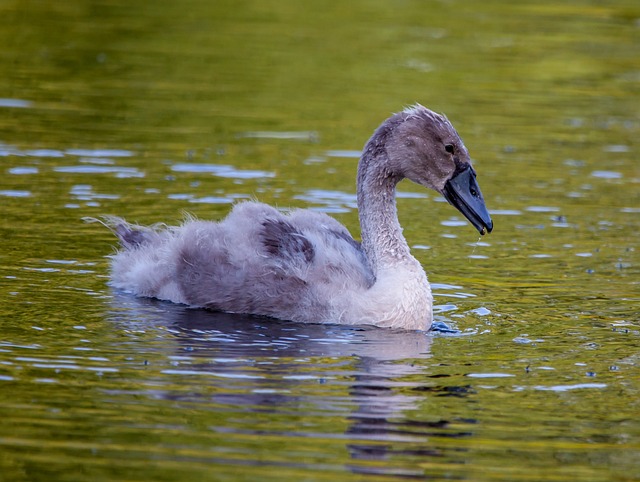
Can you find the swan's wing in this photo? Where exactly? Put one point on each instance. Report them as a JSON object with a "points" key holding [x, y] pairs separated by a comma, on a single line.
{"points": [[325, 243], [360, 263], [320, 246], [345, 236], [281, 239]]}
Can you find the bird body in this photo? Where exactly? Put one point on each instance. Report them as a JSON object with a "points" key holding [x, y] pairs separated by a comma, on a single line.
{"points": [[303, 265]]}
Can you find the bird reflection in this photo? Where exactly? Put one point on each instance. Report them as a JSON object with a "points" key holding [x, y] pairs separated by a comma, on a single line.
{"points": [[370, 378]]}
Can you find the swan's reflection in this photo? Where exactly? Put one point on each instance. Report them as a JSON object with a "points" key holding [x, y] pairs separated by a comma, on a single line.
{"points": [[368, 378]]}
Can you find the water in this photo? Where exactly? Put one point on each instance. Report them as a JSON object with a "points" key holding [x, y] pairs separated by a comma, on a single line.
{"points": [[152, 111]]}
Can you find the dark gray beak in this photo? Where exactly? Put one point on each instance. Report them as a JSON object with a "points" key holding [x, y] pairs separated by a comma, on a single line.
{"points": [[463, 193]]}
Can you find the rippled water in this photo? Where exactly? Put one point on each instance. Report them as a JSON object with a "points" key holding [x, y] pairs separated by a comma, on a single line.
{"points": [[148, 113]]}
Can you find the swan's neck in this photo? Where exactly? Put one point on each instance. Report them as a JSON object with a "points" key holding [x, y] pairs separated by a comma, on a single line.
{"points": [[382, 239]]}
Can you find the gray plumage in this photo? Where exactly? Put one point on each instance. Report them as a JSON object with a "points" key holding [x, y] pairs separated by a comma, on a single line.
{"points": [[304, 265]]}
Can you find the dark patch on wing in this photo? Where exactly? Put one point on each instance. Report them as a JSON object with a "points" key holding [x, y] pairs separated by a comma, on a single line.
{"points": [[281, 239]]}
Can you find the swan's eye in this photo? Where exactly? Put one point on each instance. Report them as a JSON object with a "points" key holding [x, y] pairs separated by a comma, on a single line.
{"points": [[449, 148]]}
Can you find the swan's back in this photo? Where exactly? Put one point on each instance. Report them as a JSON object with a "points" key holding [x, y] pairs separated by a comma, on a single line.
{"points": [[257, 260]]}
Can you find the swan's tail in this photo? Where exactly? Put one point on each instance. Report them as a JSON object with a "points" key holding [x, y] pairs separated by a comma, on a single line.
{"points": [[130, 236]]}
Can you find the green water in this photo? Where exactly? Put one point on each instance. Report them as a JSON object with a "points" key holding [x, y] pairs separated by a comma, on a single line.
{"points": [[153, 109]]}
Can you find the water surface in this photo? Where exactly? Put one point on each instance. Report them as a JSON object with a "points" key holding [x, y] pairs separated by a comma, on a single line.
{"points": [[150, 112]]}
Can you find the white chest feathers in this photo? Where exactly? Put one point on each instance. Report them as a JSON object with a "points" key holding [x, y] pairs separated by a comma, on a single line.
{"points": [[400, 298]]}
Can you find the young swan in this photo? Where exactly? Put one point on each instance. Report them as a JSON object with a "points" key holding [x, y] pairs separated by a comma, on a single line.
{"points": [[305, 266]]}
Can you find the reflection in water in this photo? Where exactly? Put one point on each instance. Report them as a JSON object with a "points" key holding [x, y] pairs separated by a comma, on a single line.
{"points": [[372, 378]]}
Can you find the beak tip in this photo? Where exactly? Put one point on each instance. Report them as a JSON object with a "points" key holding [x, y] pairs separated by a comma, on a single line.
{"points": [[489, 227], [486, 229]]}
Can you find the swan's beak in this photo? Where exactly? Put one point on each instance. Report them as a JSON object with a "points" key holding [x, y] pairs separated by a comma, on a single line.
{"points": [[463, 193]]}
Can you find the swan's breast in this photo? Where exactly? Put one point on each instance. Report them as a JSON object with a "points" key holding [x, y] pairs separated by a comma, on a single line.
{"points": [[400, 298]]}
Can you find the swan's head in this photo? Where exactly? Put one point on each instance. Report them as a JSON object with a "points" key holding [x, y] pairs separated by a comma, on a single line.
{"points": [[424, 147]]}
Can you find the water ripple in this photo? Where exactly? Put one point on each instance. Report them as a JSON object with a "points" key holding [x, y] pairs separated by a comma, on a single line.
{"points": [[100, 169], [542, 209], [332, 201], [99, 152], [607, 174], [289, 135], [566, 388], [222, 170], [20, 170], [14, 193], [16, 103]]}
